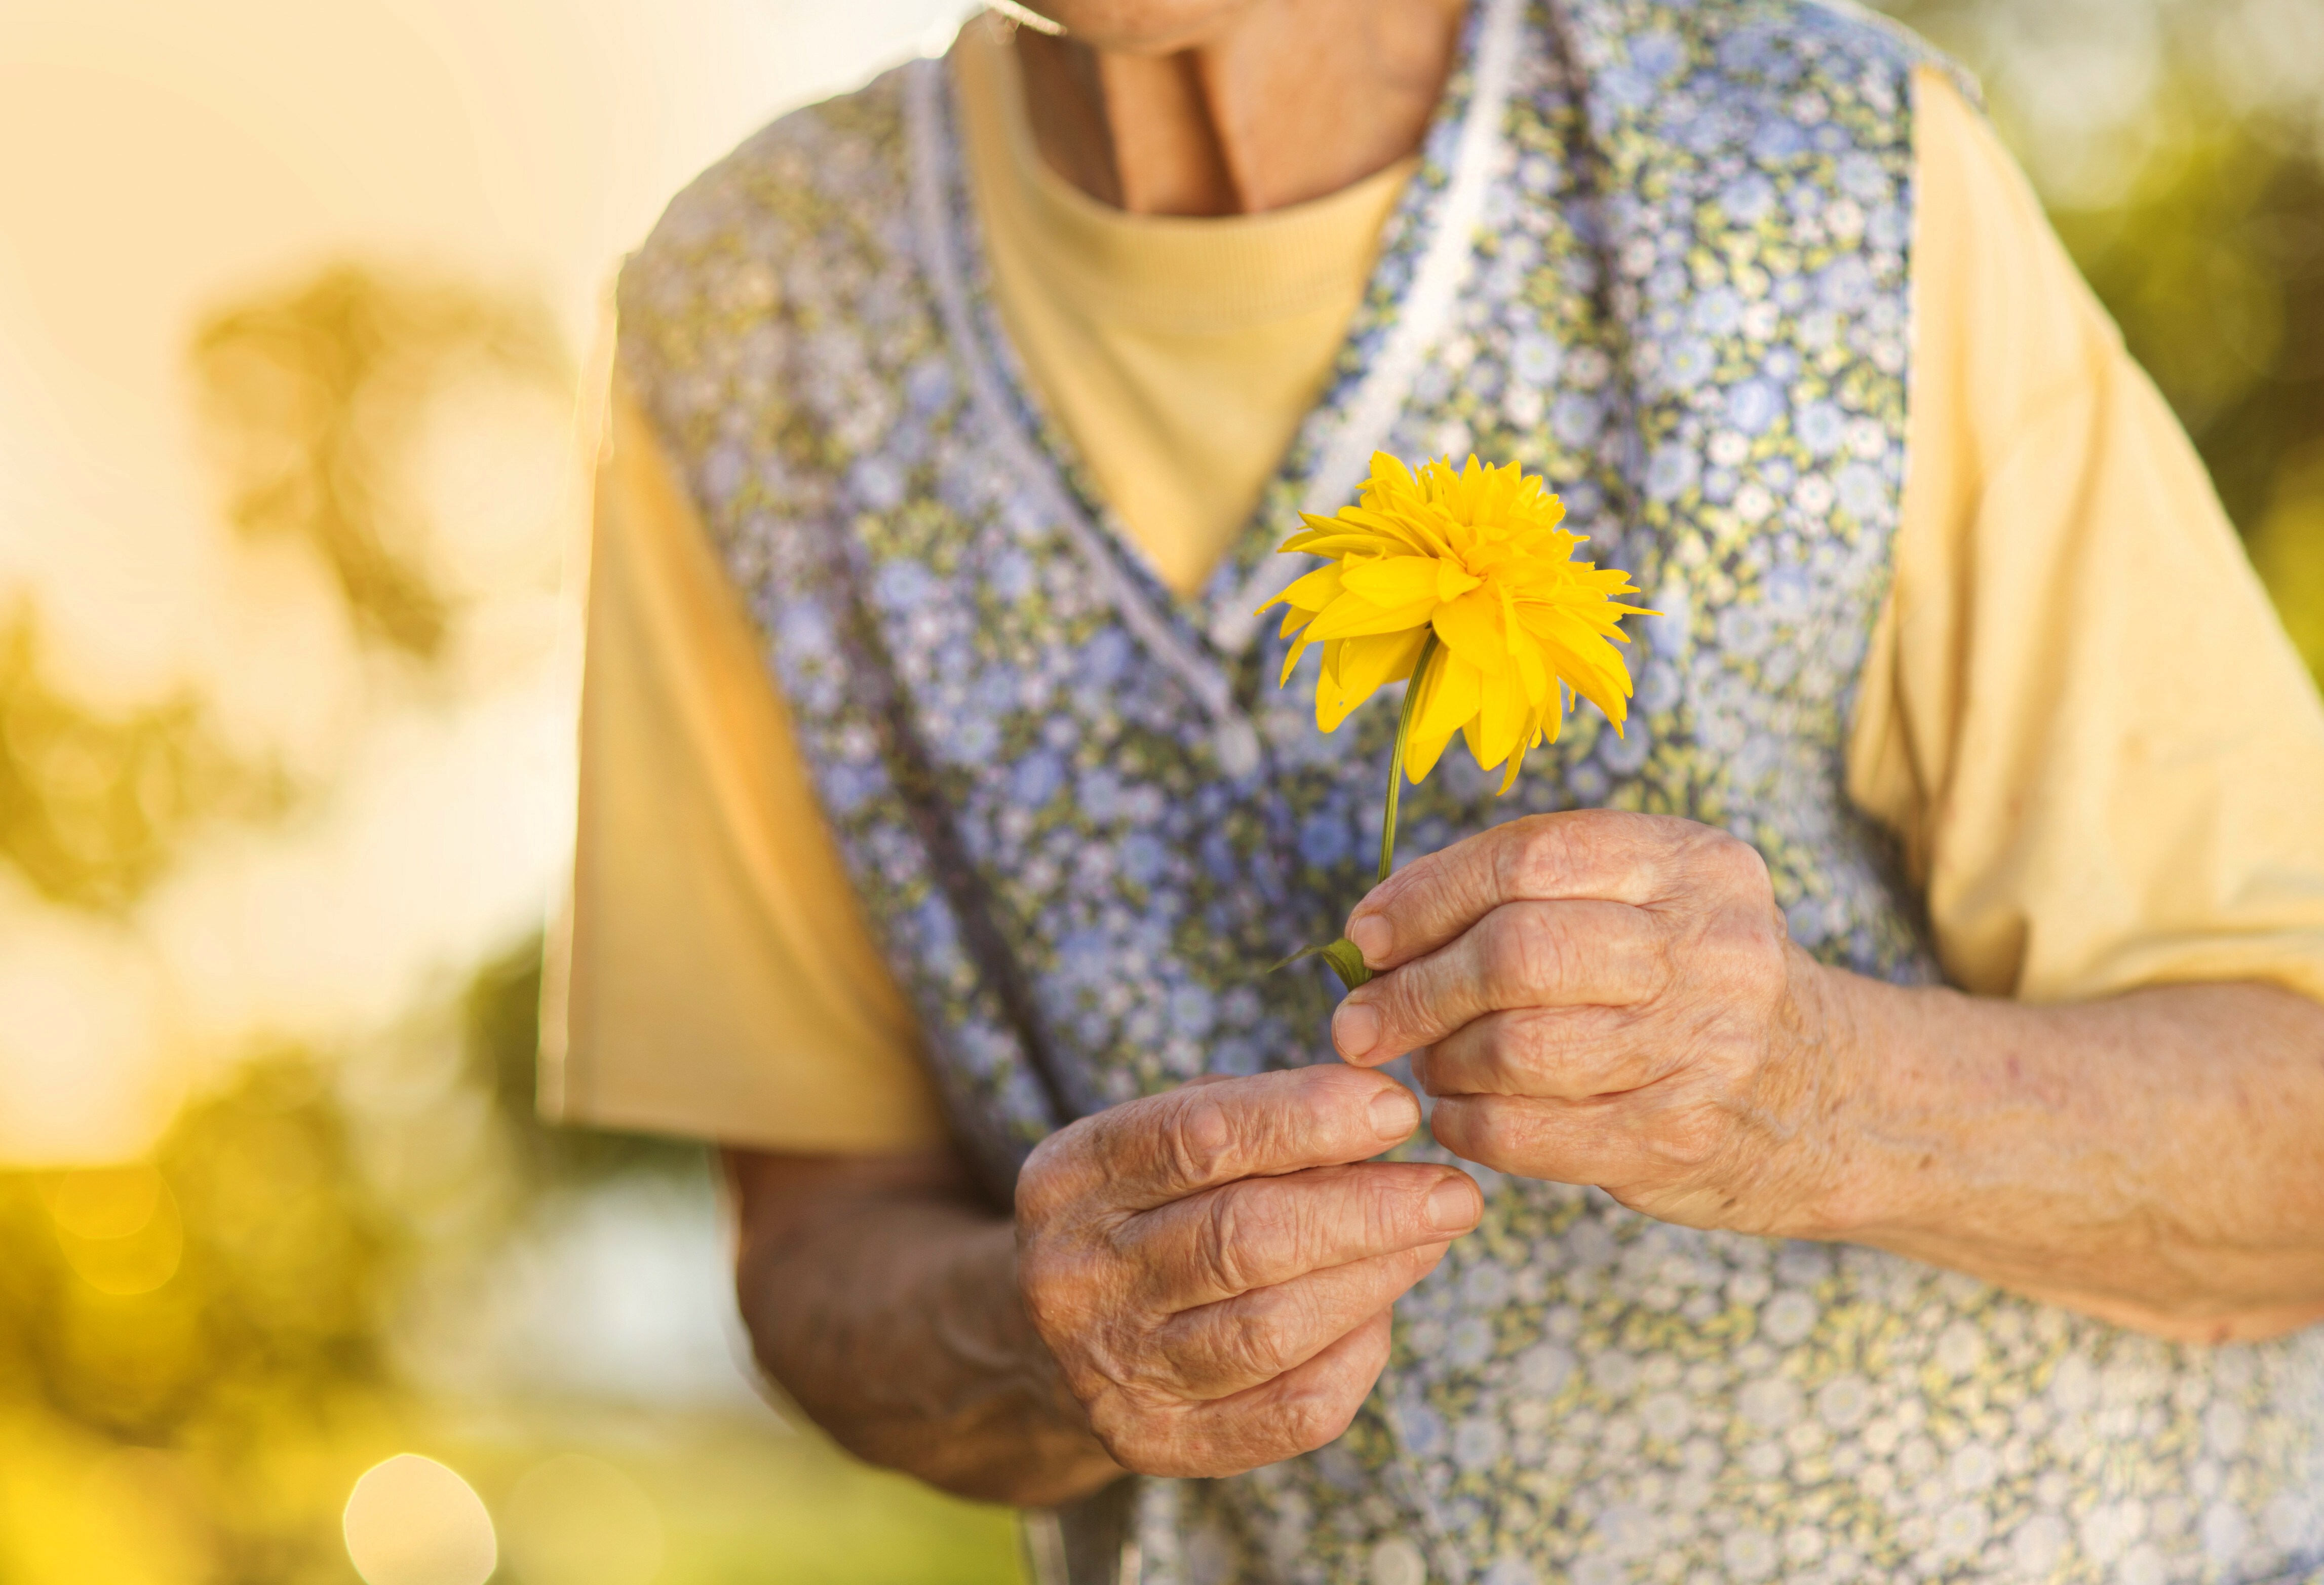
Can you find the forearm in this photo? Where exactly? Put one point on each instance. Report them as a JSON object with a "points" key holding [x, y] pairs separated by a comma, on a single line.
{"points": [[885, 1301], [2156, 1158]]}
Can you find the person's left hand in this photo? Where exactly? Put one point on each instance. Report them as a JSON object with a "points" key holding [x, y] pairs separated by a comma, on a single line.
{"points": [[1612, 998]]}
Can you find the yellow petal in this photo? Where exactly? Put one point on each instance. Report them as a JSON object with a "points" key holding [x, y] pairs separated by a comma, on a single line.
{"points": [[1328, 709], [1453, 580], [1421, 754], [1533, 669], [1502, 718], [1389, 474], [1478, 554], [1552, 714], [1394, 580], [1357, 669], [1350, 616], [1297, 649], [1410, 524], [1516, 761], [1450, 700], [1368, 664], [1352, 532], [1582, 657], [1472, 629], [1313, 591]]}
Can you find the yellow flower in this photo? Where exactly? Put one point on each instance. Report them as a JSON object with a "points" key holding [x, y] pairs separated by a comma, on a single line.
{"points": [[1477, 558]]}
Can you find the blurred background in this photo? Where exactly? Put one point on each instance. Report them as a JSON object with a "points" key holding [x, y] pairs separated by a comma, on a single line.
{"points": [[295, 305]]}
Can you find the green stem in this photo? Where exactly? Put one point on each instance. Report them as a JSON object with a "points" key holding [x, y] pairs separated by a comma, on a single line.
{"points": [[1396, 761]]}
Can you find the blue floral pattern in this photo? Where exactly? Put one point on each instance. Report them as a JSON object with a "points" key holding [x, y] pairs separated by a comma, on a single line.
{"points": [[1683, 296]]}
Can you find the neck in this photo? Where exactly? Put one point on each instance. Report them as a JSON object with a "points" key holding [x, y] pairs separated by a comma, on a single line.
{"points": [[1283, 101]]}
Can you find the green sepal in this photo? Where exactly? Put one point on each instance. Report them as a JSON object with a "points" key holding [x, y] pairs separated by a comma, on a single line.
{"points": [[1346, 961]]}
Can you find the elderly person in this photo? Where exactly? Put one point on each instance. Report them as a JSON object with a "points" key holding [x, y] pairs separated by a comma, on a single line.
{"points": [[1875, 1106]]}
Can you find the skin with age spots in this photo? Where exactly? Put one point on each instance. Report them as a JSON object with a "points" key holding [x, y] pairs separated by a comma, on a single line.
{"points": [[1197, 1284], [1611, 998], [1213, 1269]]}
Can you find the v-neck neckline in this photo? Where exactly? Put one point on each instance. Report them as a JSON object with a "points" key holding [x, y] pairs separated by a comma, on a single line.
{"points": [[1424, 255]]}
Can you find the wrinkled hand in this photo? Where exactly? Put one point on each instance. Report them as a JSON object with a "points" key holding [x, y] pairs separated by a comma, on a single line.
{"points": [[1212, 1268], [1611, 999]]}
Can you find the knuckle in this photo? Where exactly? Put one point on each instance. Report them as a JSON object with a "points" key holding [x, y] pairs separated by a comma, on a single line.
{"points": [[1736, 865], [1749, 939], [1052, 1287], [1511, 1047], [1196, 1139], [1256, 1337], [1537, 851], [1140, 1453], [1689, 1138], [1487, 1127], [1312, 1419], [1521, 949], [1040, 1181], [1279, 1238], [1222, 1249], [1131, 1434], [1451, 1125]]}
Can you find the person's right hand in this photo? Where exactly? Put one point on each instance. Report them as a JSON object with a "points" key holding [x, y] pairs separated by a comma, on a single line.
{"points": [[1212, 1268]]}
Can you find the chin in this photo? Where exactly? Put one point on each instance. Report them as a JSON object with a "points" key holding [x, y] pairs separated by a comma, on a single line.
{"points": [[1143, 27]]}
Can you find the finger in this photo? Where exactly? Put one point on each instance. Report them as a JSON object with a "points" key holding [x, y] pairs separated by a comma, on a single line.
{"points": [[1617, 1144], [1223, 1349], [1261, 1232], [1604, 854], [1552, 1054], [1520, 955], [1146, 1153], [1296, 1413]]}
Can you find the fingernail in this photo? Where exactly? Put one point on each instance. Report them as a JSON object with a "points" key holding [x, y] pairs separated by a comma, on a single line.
{"points": [[1451, 1205], [1394, 1113], [1355, 1029], [1371, 935]]}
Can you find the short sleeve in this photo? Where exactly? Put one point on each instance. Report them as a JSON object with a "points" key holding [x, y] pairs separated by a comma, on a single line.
{"points": [[715, 976], [2082, 716]]}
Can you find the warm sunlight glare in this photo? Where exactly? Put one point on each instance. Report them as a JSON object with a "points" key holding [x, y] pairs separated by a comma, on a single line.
{"points": [[411, 1521]]}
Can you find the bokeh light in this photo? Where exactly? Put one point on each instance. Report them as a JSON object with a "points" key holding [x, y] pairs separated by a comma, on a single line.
{"points": [[119, 1228], [412, 1521]]}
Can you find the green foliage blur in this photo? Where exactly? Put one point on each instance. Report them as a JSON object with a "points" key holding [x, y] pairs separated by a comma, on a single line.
{"points": [[94, 804], [202, 1351], [312, 393], [197, 1351]]}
